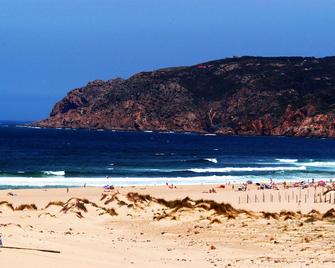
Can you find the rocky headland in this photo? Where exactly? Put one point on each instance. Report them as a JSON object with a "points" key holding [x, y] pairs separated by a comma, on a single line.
{"points": [[288, 96]]}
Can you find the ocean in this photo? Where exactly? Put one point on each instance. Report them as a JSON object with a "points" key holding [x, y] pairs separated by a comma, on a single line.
{"points": [[33, 157]]}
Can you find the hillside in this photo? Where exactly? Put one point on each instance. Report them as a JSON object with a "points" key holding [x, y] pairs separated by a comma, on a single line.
{"points": [[292, 96]]}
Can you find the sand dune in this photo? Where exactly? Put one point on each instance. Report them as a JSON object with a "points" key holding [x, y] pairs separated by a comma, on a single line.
{"points": [[160, 227]]}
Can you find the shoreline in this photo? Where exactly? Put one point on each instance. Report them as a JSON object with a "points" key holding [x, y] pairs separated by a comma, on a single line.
{"points": [[149, 131], [78, 182]]}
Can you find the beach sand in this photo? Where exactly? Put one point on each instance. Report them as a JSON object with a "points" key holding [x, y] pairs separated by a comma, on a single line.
{"points": [[148, 227]]}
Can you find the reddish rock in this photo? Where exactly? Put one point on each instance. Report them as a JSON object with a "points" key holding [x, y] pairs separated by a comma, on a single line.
{"points": [[290, 96]]}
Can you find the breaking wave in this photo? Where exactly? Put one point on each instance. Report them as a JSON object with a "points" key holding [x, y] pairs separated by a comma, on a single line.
{"points": [[54, 173], [244, 169], [319, 164], [287, 160], [213, 160]]}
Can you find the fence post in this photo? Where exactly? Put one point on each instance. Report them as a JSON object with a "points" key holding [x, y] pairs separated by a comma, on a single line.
{"points": [[300, 193]]}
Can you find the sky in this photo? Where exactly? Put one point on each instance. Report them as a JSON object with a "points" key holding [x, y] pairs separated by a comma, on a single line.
{"points": [[48, 47]]}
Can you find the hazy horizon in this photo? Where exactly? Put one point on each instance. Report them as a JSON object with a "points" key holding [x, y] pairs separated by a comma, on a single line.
{"points": [[50, 47]]}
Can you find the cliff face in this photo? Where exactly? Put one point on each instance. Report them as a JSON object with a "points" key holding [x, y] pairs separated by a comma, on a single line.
{"points": [[292, 96]]}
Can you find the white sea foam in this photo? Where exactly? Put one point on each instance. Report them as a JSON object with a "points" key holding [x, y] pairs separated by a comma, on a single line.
{"points": [[99, 182], [55, 173], [213, 160], [245, 169], [287, 160], [118, 181], [319, 164]]}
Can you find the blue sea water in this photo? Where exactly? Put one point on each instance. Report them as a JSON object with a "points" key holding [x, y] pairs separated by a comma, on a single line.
{"points": [[32, 157]]}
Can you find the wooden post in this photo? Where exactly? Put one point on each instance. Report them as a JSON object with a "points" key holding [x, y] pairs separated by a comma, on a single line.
{"points": [[300, 193], [263, 198], [239, 199], [34, 249], [247, 198]]}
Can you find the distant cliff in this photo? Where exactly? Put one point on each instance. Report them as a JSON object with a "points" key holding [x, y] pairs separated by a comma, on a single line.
{"points": [[292, 96]]}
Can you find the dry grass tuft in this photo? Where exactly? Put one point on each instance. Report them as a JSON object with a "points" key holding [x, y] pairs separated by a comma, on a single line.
{"points": [[9, 205], [47, 214], [269, 215], [103, 197], [26, 206], [215, 220], [330, 214], [55, 203], [112, 199]]}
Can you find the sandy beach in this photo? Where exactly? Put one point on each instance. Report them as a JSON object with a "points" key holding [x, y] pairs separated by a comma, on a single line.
{"points": [[157, 226]]}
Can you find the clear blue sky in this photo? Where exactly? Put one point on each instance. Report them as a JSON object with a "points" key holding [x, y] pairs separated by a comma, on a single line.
{"points": [[48, 47]]}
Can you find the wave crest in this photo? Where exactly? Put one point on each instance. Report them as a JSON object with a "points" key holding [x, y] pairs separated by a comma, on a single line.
{"points": [[319, 164], [55, 173], [287, 160], [213, 160], [244, 169]]}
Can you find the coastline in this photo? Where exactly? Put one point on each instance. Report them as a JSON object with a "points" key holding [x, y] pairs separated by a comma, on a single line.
{"points": [[79, 225], [56, 182], [157, 131]]}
